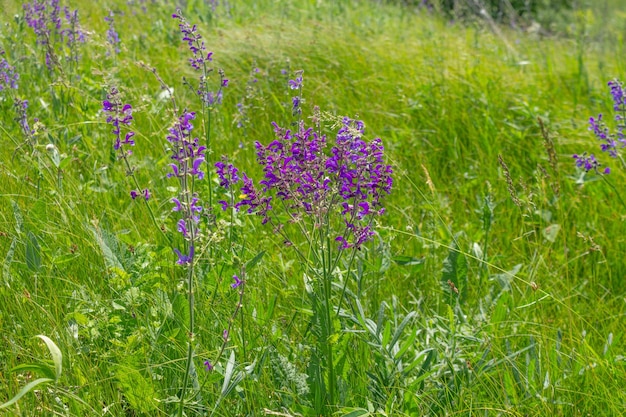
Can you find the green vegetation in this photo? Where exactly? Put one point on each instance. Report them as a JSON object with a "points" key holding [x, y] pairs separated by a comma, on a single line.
{"points": [[494, 283]]}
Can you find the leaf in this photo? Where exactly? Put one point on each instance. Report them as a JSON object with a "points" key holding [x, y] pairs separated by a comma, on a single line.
{"points": [[400, 329], [37, 368], [53, 152], [550, 232], [357, 413], [19, 219], [406, 345], [254, 261], [404, 260], [55, 352], [110, 259], [137, 389], [33, 253], [506, 278], [454, 273], [230, 379], [6, 268], [28, 387]]}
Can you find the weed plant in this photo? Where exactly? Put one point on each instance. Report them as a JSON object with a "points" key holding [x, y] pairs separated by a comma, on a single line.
{"points": [[197, 215]]}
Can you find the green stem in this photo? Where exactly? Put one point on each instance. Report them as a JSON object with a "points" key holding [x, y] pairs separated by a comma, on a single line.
{"points": [[190, 345], [619, 196], [328, 333]]}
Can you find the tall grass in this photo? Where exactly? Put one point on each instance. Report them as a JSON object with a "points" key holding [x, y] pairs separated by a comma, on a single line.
{"points": [[482, 292]]}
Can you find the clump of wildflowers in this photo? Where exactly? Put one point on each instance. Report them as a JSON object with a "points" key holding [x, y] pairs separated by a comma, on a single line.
{"points": [[45, 19], [8, 75], [113, 38], [611, 142], [200, 61], [348, 180], [187, 155], [120, 117]]}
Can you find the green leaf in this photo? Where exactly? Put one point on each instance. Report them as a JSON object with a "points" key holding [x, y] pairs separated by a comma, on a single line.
{"points": [[406, 345], [28, 387], [357, 413], [400, 329], [35, 368], [19, 219], [33, 253], [404, 260], [252, 262], [506, 278], [104, 241], [6, 268], [550, 232], [454, 272], [137, 389], [55, 352]]}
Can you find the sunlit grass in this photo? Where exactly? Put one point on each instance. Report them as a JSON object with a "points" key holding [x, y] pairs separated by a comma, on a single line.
{"points": [[446, 99]]}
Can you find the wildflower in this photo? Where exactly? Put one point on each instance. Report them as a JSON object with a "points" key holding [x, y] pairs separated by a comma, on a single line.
{"points": [[227, 174], [237, 282], [118, 115], [112, 36], [44, 18], [208, 366], [184, 259], [8, 76], [610, 141], [194, 41], [297, 83], [349, 179], [589, 163]]}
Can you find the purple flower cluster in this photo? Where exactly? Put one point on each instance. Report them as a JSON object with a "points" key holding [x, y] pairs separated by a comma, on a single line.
{"points": [[610, 142], [199, 62], [589, 163], [194, 40], [21, 107], [119, 115], [296, 101], [112, 36], [8, 76], [72, 34], [44, 18], [349, 180], [188, 156]]}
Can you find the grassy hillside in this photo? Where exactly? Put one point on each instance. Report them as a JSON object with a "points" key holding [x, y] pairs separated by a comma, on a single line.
{"points": [[493, 283]]}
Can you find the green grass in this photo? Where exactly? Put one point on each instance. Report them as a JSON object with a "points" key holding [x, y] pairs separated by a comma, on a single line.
{"points": [[528, 332]]}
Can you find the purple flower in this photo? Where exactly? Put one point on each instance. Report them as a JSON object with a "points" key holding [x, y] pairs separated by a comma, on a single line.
{"points": [[611, 142], [118, 115], [589, 163], [349, 178], [44, 18], [297, 83], [184, 259], [113, 38], [208, 366], [226, 173], [194, 42], [8, 76], [237, 282], [133, 194], [224, 204]]}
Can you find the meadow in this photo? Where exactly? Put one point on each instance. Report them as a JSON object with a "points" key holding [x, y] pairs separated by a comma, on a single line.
{"points": [[298, 208]]}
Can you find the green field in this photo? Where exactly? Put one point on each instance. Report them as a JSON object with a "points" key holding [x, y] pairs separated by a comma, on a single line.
{"points": [[492, 285]]}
